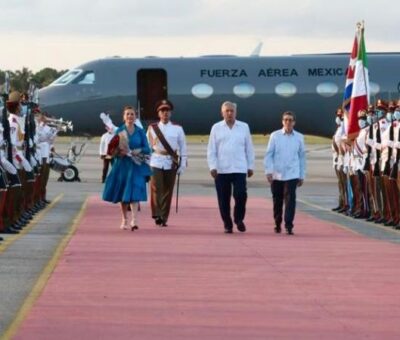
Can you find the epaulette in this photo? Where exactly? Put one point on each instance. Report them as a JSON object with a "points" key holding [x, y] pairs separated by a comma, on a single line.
{"points": [[176, 124]]}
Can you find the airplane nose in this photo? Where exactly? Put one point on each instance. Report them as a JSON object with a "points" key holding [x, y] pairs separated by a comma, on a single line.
{"points": [[48, 97]]}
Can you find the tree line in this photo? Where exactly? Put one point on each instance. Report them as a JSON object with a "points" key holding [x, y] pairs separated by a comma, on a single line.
{"points": [[20, 79]]}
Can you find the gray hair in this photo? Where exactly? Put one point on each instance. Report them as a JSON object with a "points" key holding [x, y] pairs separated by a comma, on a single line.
{"points": [[230, 104]]}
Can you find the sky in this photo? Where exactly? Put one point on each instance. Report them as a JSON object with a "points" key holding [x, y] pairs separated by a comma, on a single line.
{"points": [[65, 34]]}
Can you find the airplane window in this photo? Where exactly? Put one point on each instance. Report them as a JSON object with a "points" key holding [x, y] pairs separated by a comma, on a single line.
{"points": [[85, 78], [202, 90], [327, 89], [67, 77], [374, 89], [244, 90], [285, 90]]}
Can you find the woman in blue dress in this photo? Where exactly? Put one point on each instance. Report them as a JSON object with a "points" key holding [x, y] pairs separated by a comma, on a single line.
{"points": [[126, 183]]}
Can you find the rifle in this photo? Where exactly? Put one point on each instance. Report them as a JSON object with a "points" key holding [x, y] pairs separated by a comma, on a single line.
{"points": [[367, 165], [377, 170], [395, 168], [386, 170], [5, 122]]}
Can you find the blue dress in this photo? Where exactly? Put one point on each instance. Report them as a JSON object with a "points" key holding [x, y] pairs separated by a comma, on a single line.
{"points": [[126, 182]]}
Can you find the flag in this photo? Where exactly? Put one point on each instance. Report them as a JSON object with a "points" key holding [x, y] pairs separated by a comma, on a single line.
{"points": [[350, 76], [360, 92]]}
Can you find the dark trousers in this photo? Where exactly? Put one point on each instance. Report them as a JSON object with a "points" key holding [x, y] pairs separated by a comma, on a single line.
{"points": [[284, 191], [162, 187], [106, 165], [224, 184]]}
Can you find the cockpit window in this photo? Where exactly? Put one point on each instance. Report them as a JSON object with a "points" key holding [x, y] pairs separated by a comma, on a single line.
{"points": [[68, 77], [86, 78]]}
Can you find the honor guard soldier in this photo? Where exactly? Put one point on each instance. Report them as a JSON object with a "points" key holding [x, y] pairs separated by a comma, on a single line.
{"points": [[25, 173], [10, 187], [168, 159], [338, 160], [359, 158], [46, 137], [370, 165], [104, 141], [387, 162], [379, 128], [394, 174]]}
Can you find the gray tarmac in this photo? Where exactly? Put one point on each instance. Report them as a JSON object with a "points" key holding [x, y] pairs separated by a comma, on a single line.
{"points": [[23, 258]]}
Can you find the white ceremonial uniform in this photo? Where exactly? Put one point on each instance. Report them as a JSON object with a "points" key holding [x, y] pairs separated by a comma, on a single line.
{"points": [[396, 144], [337, 138], [17, 133], [360, 149], [386, 143], [230, 150], [175, 137], [7, 166], [46, 137], [104, 141]]}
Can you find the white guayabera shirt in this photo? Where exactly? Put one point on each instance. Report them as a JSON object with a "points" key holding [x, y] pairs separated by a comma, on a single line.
{"points": [[230, 150]]}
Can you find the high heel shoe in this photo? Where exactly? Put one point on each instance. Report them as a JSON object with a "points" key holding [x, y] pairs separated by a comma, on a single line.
{"points": [[134, 226], [124, 225]]}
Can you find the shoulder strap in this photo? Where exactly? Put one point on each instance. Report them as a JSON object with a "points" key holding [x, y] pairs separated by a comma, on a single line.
{"points": [[164, 142]]}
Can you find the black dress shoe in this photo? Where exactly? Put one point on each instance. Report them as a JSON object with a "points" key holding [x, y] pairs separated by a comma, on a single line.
{"points": [[337, 208], [10, 230], [228, 231], [164, 224], [158, 220], [278, 229], [1, 239], [289, 232], [389, 224], [241, 227]]}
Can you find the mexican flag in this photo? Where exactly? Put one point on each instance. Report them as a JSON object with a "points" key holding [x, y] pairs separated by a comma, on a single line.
{"points": [[360, 92]]}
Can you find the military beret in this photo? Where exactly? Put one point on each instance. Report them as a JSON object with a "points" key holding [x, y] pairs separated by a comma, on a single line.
{"points": [[164, 103], [398, 104]]}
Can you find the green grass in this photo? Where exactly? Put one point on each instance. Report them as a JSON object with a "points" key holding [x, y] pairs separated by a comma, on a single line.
{"points": [[257, 139], [262, 139]]}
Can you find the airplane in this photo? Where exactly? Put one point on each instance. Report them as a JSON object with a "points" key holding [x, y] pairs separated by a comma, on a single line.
{"points": [[311, 85]]}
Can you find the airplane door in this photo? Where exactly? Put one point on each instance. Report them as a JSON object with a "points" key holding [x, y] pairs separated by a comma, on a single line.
{"points": [[151, 87]]}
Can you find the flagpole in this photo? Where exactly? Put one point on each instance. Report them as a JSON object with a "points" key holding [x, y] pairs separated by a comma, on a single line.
{"points": [[361, 26]]}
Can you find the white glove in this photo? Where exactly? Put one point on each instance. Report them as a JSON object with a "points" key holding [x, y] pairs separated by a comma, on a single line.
{"points": [[107, 121], [180, 170], [370, 142]]}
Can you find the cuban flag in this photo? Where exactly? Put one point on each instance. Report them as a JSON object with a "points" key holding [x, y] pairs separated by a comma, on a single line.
{"points": [[348, 88], [360, 92]]}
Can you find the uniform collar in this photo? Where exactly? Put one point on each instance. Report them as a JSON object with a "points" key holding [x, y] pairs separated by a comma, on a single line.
{"points": [[162, 124]]}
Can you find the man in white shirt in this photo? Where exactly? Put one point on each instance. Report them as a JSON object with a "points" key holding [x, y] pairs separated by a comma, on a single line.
{"points": [[165, 164], [285, 163], [230, 157]]}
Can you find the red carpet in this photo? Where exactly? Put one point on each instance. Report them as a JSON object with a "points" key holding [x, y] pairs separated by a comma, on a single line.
{"points": [[191, 281]]}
